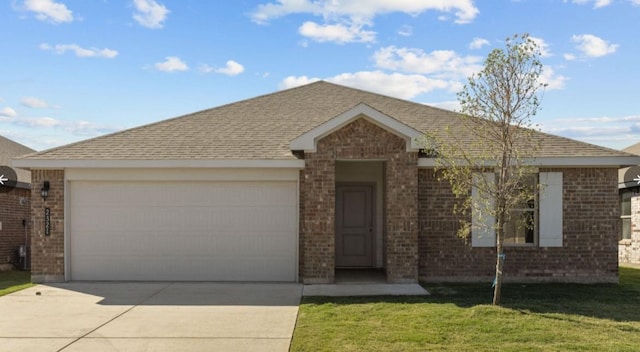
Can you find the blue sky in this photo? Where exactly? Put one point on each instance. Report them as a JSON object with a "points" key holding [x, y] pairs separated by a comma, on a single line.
{"points": [[76, 69]]}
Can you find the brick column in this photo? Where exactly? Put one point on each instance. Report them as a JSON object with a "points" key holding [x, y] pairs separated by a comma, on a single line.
{"points": [[401, 241], [47, 252], [318, 220]]}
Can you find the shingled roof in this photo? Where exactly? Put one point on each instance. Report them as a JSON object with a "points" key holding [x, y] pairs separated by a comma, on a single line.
{"points": [[9, 150], [633, 149], [262, 128]]}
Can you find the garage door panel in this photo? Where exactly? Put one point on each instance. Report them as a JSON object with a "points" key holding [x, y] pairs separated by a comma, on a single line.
{"points": [[194, 193], [178, 218], [230, 231]]}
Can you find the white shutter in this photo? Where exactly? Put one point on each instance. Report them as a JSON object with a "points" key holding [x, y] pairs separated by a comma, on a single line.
{"points": [[483, 233], [551, 209]]}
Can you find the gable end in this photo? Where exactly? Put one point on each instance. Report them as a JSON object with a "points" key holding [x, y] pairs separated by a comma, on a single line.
{"points": [[308, 141]]}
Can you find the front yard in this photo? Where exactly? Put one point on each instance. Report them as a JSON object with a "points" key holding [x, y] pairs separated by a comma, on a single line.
{"points": [[12, 281], [551, 317]]}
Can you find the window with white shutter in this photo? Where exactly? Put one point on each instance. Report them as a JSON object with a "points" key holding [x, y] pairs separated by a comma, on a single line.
{"points": [[537, 222]]}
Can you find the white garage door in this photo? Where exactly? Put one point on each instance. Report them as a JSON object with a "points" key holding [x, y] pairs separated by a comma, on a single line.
{"points": [[183, 231]]}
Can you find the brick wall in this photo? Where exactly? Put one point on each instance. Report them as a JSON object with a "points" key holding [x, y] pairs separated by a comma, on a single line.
{"points": [[47, 252], [14, 207], [629, 249], [591, 227], [359, 140]]}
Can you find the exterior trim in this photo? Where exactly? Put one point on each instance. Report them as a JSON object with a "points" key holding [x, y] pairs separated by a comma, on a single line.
{"points": [[67, 229], [308, 141], [602, 161], [104, 164], [180, 175]]}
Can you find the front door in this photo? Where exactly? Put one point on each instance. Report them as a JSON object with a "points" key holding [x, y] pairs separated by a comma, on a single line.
{"points": [[354, 226]]}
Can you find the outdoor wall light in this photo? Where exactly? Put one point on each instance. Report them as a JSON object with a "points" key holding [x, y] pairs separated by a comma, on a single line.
{"points": [[44, 191]]}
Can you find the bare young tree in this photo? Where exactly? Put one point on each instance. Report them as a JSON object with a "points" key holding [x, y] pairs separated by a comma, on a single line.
{"points": [[488, 162]]}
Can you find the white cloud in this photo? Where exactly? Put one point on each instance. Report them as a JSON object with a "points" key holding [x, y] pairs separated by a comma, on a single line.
{"points": [[338, 33], [149, 13], [232, 68], [617, 132], [478, 43], [49, 10], [592, 46], [37, 122], [295, 81], [551, 79], [86, 128], [8, 112], [417, 73], [542, 46], [635, 2], [76, 128], [346, 19], [464, 10], [171, 64], [452, 105], [596, 3], [569, 57], [80, 51], [441, 63], [398, 85], [407, 31], [35, 103]]}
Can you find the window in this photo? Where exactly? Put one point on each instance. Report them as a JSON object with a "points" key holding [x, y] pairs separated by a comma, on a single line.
{"points": [[625, 213], [536, 222], [522, 226]]}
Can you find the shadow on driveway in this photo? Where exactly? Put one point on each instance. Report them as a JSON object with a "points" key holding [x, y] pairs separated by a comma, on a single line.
{"points": [[184, 293], [155, 316]]}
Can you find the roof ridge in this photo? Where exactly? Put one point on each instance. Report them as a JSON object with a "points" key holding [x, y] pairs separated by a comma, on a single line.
{"points": [[387, 96]]}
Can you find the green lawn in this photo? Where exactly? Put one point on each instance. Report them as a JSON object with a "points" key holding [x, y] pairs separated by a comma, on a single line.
{"points": [[12, 281], [459, 317]]}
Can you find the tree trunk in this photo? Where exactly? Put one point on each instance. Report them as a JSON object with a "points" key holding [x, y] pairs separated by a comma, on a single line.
{"points": [[499, 255], [498, 281]]}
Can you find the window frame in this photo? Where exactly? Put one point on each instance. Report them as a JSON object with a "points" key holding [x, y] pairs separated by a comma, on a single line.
{"points": [[551, 185], [626, 192], [536, 215]]}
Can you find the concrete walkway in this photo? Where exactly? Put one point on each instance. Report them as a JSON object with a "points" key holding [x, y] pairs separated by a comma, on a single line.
{"points": [[364, 289], [150, 317]]}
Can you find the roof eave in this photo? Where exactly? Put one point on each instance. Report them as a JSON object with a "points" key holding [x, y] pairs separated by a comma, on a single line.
{"points": [[30, 164], [563, 161]]}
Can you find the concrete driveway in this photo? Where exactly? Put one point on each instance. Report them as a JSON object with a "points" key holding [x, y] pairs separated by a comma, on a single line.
{"points": [[114, 316]]}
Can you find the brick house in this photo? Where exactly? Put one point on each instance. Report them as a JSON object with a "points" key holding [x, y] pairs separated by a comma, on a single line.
{"points": [[298, 185], [14, 204], [629, 245]]}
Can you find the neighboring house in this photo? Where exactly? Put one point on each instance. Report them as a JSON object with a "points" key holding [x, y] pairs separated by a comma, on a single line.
{"points": [[15, 207], [294, 185], [629, 245]]}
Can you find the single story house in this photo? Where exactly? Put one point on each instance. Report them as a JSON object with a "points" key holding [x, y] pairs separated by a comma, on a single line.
{"points": [[629, 185], [15, 207], [295, 185]]}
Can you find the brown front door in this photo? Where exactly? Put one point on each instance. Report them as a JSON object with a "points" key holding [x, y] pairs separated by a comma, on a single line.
{"points": [[354, 226]]}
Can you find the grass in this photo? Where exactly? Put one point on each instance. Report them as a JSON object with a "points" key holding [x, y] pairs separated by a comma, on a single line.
{"points": [[12, 281], [459, 317]]}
